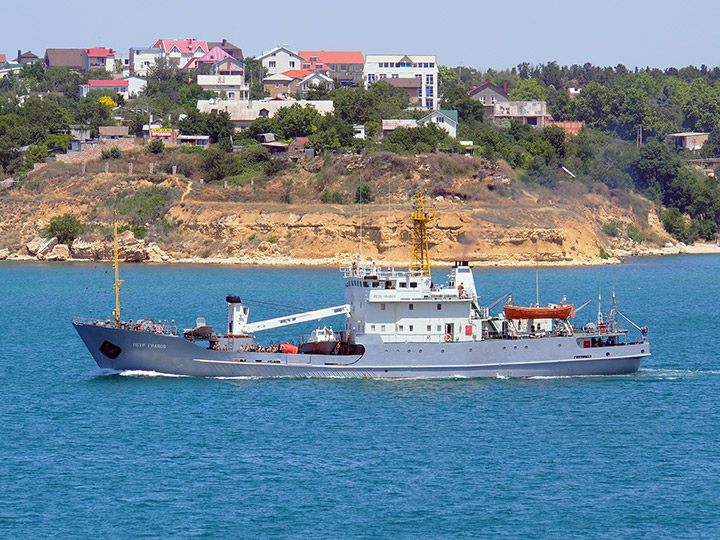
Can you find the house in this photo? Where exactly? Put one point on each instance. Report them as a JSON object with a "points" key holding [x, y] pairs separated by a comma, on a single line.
{"points": [[136, 85], [690, 142], [72, 58], [98, 58], [706, 165], [194, 140], [26, 57], [113, 132], [345, 66], [421, 67], [245, 112], [213, 55], [280, 59], [488, 94], [296, 148], [314, 80], [3, 60], [127, 87], [142, 59], [226, 77], [177, 52], [442, 118], [225, 45], [533, 113], [286, 83], [445, 119]]}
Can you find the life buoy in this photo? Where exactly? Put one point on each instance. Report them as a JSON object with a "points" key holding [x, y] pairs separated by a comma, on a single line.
{"points": [[159, 329], [448, 337]]}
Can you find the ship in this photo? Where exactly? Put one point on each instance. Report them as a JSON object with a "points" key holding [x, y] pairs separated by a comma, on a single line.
{"points": [[398, 323]]}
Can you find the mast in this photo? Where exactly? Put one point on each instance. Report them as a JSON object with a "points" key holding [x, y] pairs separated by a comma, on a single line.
{"points": [[420, 258], [118, 281]]}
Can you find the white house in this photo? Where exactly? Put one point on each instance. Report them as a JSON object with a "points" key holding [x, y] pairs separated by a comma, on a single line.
{"points": [[98, 58], [243, 113], [142, 59], [127, 87], [442, 118], [279, 60], [445, 119], [227, 75], [177, 52], [416, 74], [315, 79]]}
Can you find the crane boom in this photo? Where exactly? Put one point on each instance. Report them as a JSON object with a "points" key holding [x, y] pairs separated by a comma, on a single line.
{"points": [[297, 318]]}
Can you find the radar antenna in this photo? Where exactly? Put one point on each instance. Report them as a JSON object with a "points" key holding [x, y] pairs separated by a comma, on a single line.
{"points": [[420, 258]]}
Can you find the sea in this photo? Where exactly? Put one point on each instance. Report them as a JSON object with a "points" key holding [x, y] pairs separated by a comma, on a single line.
{"points": [[91, 454]]}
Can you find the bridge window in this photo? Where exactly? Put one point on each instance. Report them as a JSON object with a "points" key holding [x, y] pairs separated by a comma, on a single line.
{"points": [[382, 307], [403, 285], [411, 307], [429, 327], [413, 284], [411, 328], [439, 306], [400, 328], [382, 327]]}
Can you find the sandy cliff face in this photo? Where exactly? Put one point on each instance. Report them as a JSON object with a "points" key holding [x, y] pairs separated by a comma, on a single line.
{"points": [[206, 225]]}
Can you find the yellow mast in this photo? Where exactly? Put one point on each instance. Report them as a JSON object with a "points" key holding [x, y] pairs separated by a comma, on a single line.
{"points": [[118, 281], [420, 258]]}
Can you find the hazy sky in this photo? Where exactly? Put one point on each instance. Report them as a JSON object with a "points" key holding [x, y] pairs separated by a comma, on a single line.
{"points": [[479, 34]]}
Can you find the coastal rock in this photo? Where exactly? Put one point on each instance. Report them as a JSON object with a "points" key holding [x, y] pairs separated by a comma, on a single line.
{"points": [[4, 254], [39, 247], [156, 254], [131, 249], [82, 249], [60, 252]]}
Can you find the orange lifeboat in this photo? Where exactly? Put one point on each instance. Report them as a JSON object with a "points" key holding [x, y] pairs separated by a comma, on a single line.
{"points": [[546, 312]]}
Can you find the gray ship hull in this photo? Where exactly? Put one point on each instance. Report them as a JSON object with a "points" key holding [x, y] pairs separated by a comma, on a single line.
{"points": [[546, 357]]}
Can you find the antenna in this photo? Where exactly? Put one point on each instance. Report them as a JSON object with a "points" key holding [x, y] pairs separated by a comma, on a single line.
{"points": [[118, 281], [361, 231], [599, 313]]}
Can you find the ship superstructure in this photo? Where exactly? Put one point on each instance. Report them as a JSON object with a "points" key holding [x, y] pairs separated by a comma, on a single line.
{"points": [[398, 323]]}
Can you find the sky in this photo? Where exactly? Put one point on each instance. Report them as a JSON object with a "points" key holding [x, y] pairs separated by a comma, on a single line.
{"points": [[477, 34]]}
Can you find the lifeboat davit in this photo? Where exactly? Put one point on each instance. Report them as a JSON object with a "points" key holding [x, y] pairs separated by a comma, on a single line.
{"points": [[545, 312]]}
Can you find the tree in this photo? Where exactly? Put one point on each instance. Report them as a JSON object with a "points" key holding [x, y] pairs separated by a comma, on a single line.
{"points": [[528, 90], [364, 194], [297, 121], [65, 228]]}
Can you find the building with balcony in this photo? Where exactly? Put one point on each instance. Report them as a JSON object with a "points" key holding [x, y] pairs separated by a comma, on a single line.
{"points": [[423, 89], [345, 66]]}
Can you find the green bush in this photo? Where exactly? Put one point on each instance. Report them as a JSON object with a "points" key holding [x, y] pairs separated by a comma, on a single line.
{"points": [[364, 194], [156, 146], [333, 197], [65, 228], [611, 229], [139, 231], [182, 167], [635, 234], [112, 153], [145, 204]]}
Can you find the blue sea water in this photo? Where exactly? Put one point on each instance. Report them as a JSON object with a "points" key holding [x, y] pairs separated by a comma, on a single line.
{"points": [[89, 455]]}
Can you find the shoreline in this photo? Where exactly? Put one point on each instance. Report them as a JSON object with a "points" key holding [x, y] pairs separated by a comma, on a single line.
{"points": [[616, 257]]}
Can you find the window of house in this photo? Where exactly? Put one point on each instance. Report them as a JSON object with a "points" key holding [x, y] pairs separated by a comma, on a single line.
{"points": [[395, 75], [292, 63], [231, 95], [429, 103], [306, 66], [371, 78], [272, 64], [429, 79], [420, 92], [440, 120], [313, 59], [482, 100], [319, 66], [383, 76], [493, 99]]}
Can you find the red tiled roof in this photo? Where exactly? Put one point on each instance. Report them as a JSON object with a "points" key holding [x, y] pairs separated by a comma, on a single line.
{"points": [[3, 59], [99, 52], [213, 55], [183, 45], [335, 57], [297, 73], [93, 82]]}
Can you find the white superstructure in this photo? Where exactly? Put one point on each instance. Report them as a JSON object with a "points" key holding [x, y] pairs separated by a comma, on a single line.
{"points": [[403, 68]]}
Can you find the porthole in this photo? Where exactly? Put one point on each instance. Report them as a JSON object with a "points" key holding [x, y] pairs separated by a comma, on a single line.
{"points": [[470, 349], [526, 346], [442, 350], [559, 344], [607, 354], [409, 350], [420, 351], [504, 348], [642, 350], [515, 347]]}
